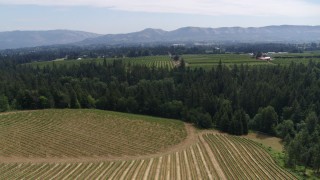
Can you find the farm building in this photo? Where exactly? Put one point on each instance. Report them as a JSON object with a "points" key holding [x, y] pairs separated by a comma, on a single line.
{"points": [[265, 58]]}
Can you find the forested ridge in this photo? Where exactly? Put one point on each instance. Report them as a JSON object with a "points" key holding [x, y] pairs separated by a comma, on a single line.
{"points": [[278, 100]]}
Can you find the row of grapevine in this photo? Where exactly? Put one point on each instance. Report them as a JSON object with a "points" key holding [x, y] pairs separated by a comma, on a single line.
{"points": [[153, 61], [165, 167], [244, 159], [213, 157]]}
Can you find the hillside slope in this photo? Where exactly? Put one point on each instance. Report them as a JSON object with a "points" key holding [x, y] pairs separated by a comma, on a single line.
{"points": [[20, 39], [268, 34], [75, 138], [85, 133], [286, 33]]}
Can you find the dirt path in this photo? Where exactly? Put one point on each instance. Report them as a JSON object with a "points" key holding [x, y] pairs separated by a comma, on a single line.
{"points": [[188, 141]]}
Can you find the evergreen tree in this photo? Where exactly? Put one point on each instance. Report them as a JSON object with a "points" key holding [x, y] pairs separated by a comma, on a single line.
{"points": [[303, 149], [266, 120], [238, 125], [43, 102], [74, 102], [4, 104], [285, 128]]}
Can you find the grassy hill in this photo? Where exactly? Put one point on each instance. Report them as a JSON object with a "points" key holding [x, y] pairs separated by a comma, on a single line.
{"points": [[94, 144], [74, 133], [21, 39], [212, 157]]}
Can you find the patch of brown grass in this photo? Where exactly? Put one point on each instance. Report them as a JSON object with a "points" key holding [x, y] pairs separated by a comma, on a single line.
{"points": [[268, 141]]}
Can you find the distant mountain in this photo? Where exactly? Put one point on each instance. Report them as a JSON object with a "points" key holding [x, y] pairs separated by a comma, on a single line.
{"points": [[19, 39], [268, 34], [283, 34], [147, 35]]}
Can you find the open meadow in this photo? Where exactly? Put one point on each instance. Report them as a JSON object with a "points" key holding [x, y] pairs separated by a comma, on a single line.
{"points": [[94, 144]]}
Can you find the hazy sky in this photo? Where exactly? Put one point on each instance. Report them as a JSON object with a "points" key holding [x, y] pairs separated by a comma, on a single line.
{"points": [[121, 16]]}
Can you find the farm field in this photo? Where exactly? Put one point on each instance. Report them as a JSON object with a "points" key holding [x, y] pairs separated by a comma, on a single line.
{"points": [[196, 155], [78, 133], [193, 61], [212, 157], [206, 61], [211, 60], [152, 61], [304, 58], [149, 61]]}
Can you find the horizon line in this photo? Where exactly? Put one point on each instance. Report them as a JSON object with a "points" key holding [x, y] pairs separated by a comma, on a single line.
{"points": [[46, 30]]}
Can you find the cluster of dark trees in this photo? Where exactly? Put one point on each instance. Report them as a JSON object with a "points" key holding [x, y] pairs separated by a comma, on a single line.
{"points": [[302, 141], [278, 100]]}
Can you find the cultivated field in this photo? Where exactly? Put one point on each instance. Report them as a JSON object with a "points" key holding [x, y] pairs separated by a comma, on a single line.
{"points": [[211, 60], [213, 157], [201, 155], [206, 61], [78, 133], [304, 58], [149, 61], [153, 61]]}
